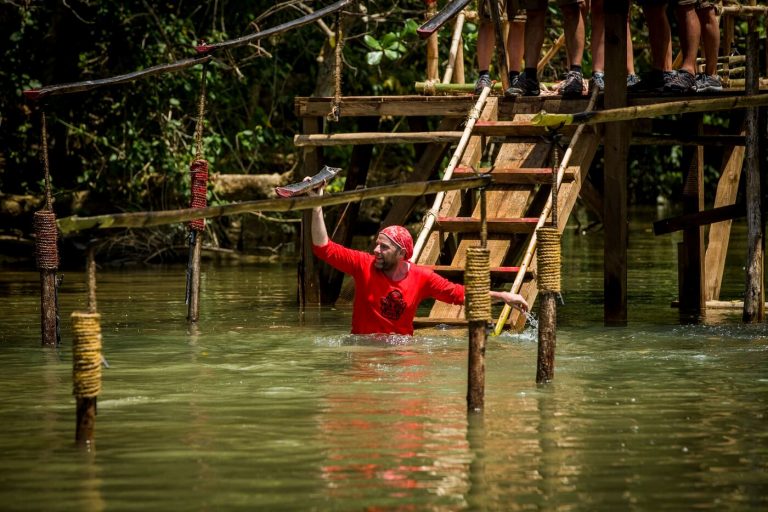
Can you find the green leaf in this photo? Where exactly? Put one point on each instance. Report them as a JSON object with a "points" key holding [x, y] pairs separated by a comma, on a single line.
{"points": [[392, 54], [388, 39], [371, 42], [410, 27], [373, 58]]}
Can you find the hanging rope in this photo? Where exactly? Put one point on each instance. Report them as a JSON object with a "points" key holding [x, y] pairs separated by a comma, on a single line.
{"points": [[44, 221], [86, 354], [335, 112], [548, 251], [477, 284], [199, 168]]}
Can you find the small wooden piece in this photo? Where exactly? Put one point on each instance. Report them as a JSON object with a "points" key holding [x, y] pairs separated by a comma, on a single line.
{"points": [[302, 187]]}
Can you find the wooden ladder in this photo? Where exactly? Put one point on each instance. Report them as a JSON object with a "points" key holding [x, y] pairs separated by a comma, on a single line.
{"points": [[514, 204]]}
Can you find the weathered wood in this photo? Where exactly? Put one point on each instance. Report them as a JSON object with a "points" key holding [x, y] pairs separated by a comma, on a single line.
{"points": [[85, 422], [289, 25], [754, 294], [744, 10], [556, 47], [308, 272], [48, 308], [416, 105], [147, 219], [616, 146], [515, 175], [547, 337], [454, 55], [457, 273], [432, 43], [691, 255], [702, 218], [514, 129], [495, 226], [719, 233], [193, 308], [346, 139], [476, 365]]}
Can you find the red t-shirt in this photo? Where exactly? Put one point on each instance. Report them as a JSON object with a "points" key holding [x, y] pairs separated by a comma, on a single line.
{"points": [[381, 304]]}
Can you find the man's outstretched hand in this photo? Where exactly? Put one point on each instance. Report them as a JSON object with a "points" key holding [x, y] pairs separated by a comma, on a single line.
{"points": [[514, 300]]}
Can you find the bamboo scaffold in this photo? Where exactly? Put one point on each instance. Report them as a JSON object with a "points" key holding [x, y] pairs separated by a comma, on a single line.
{"points": [[474, 114]]}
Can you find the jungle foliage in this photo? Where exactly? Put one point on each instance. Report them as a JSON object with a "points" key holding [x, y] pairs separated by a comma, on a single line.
{"points": [[129, 146]]}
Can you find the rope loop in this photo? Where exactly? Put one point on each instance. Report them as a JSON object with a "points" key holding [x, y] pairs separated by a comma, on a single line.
{"points": [[548, 259], [46, 236], [477, 284], [86, 354], [199, 191]]}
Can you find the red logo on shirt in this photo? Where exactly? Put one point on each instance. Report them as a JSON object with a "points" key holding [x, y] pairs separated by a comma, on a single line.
{"points": [[393, 305]]}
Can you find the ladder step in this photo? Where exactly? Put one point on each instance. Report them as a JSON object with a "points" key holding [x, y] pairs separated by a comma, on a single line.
{"points": [[495, 226], [512, 129], [515, 175], [505, 274]]}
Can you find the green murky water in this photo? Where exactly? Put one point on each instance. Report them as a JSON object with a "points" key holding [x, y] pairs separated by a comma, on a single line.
{"points": [[261, 408]]}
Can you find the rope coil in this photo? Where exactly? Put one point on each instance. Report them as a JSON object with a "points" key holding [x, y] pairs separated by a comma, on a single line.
{"points": [[86, 354], [335, 112], [46, 236], [548, 259], [198, 199], [477, 284], [430, 88]]}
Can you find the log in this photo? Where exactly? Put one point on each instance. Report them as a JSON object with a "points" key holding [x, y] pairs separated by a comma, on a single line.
{"points": [[691, 220], [342, 139], [243, 187], [147, 219], [377, 106], [650, 111]]}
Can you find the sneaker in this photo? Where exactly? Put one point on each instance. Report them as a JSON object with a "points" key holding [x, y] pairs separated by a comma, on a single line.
{"points": [[598, 80], [573, 86], [482, 82], [707, 83], [522, 85], [652, 81], [683, 83], [632, 80]]}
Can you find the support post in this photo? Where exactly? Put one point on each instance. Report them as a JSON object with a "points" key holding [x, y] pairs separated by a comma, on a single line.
{"points": [[432, 44], [193, 306], [309, 278], [48, 310], [754, 296], [691, 251], [477, 280], [616, 144]]}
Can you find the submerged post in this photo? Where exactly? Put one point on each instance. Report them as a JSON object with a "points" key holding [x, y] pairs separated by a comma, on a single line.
{"points": [[477, 280], [86, 361], [47, 252], [548, 265]]}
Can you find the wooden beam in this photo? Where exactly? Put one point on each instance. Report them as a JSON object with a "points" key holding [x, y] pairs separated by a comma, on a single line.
{"points": [[689, 220], [457, 273], [616, 144], [497, 226], [415, 105], [351, 139], [515, 175], [514, 129]]}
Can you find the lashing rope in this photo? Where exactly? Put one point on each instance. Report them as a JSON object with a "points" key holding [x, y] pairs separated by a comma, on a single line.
{"points": [[335, 112], [548, 259], [199, 167], [86, 354], [477, 284], [44, 221]]}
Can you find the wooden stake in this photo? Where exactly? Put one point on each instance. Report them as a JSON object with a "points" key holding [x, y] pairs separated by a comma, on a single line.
{"points": [[545, 362], [48, 308], [193, 311], [476, 365], [453, 54], [432, 44]]}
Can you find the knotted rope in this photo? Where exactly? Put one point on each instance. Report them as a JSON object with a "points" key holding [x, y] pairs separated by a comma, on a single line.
{"points": [[430, 88], [335, 112], [548, 259], [44, 221], [199, 167], [86, 355], [477, 284]]}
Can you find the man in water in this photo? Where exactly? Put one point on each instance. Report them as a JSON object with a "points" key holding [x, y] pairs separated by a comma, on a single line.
{"points": [[388, 287]]}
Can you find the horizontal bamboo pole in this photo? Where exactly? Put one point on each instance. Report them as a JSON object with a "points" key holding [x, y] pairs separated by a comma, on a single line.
{"points": [[744, 10], [650, 111], [341, 139], [147, 219], [52, 90], [438, 88]]}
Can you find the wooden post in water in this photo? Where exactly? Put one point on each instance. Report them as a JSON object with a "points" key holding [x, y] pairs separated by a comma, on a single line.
{"points": [[477, 281], [86, 361], [754, 296], [46, 251], [548, 265]]}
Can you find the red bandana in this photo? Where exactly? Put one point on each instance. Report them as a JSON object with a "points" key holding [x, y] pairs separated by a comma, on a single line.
{"points": [[401, 237]]}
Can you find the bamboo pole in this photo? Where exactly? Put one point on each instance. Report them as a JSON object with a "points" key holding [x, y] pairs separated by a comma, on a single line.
{"points": [[148, 219], [457, 88], [454, 51], [502, 320], [650, 111], [341, 139], [551, 53], [474, 113], [432, 44], [744, 10]]}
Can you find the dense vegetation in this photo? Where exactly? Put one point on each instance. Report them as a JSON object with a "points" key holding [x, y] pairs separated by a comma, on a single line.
{"points": [[128, 147]]}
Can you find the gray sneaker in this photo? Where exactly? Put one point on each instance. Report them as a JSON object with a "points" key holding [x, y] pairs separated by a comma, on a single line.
{"points": [[482, 82], [632, 80], [708, 83], [598, 80], [573, 86], [682, 83], [522, 85]]}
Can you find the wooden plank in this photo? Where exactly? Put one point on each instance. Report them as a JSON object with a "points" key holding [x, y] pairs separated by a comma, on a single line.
{"points": [[348, 139], [616, 142], [495, 226], [457, 273], [515, 175], [514, 129], [356, 106], [719, 232], [702, 218]]}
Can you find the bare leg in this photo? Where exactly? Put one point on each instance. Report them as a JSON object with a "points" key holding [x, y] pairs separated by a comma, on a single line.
{"points": [[660, 36], [598, 36], [710, 34], [516, 45], [485, 42], [574, 15], [534, 37], [690, 35]]}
